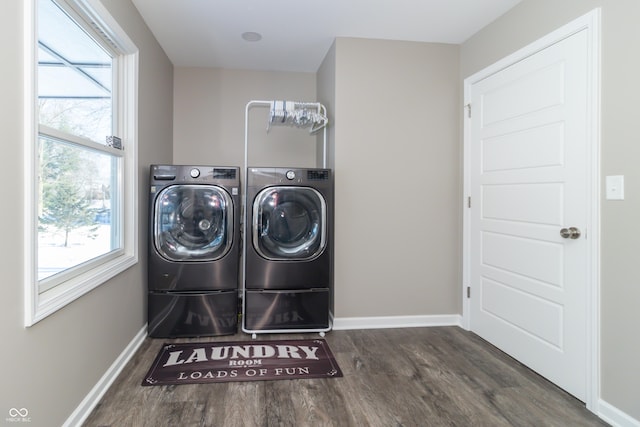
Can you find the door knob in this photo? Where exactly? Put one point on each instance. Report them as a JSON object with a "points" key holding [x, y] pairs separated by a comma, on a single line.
{"points": [[570, 233]]}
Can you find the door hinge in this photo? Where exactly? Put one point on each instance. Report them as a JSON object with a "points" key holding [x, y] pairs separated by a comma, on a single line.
{"points": [[468, 107], [468, 291], [469, 201]]}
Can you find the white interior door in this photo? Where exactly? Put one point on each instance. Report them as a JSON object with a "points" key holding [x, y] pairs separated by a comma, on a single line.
{"points": [[528, 180]]}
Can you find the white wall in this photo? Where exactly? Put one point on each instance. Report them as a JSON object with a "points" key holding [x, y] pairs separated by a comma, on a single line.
{"points": [[620, 275], [50, 367]]}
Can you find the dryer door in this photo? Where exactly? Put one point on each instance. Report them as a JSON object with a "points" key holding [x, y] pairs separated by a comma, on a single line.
{"points": [[193, 223], [289, 223]]}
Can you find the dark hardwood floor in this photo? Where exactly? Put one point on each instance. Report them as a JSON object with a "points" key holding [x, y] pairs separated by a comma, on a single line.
{"points": [[440, 376]]}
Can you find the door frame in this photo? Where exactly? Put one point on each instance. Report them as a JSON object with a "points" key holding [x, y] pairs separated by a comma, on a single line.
{"points": [[589, 22]]}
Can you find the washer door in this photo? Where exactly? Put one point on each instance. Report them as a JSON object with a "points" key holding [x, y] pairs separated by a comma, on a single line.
{"points": [[193, 223], [289, 223]]}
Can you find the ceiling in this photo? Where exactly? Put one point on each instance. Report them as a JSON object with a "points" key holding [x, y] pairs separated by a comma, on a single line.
{"points": [[296, 34]]}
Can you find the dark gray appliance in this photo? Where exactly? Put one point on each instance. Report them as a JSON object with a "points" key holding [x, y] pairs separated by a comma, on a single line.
{"points": [[288, 283], [194, 250]]}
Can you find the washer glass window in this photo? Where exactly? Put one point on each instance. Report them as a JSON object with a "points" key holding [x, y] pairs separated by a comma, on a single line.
{"points": [[193, 223], [289, 223]]}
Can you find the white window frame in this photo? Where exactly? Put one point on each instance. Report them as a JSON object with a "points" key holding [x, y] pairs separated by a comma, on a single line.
{"points": [[38, 305]]}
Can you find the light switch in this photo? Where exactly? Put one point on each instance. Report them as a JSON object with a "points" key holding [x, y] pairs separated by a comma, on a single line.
{"points": [[615, 187]]}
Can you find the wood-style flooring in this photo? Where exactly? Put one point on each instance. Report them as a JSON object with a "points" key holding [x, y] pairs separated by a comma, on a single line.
{"points": [[440, 376]]}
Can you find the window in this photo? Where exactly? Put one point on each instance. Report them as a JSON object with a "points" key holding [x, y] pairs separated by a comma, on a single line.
{"points": [[81, 157]]}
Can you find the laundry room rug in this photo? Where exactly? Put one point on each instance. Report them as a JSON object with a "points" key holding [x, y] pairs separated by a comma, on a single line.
{"points": [[215, 362]]}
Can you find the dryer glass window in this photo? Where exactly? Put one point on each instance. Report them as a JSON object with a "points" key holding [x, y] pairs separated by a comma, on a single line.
{"points": [[289, 223], [193, 222]]}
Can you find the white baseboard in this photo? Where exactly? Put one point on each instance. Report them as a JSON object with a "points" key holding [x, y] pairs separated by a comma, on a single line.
{"points": [[87, 405], [615, 416], [383, 322]]}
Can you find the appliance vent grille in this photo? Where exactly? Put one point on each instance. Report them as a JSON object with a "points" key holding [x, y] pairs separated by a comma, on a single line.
{"points": [[223, 173], [318, 175]]}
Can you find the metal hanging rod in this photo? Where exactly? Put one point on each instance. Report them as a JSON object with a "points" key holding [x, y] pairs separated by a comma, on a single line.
{"points": [[290, 113]]}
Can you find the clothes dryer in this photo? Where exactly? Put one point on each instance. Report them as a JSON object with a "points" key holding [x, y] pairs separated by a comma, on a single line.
{"points": [[194, 250], [289, 250]]}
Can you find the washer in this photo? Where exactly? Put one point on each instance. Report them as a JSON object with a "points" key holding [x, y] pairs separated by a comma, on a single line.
{"points": [[289, 250], [194, 250]]}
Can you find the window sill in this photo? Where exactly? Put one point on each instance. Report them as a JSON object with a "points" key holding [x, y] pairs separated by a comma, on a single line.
{"points": [[49, 302]]}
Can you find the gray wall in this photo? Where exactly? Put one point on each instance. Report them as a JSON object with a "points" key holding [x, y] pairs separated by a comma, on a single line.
{"points": [[209, 117], [620, 251], [326, 88], [394, 112], [50, 367], [396, 149]]}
